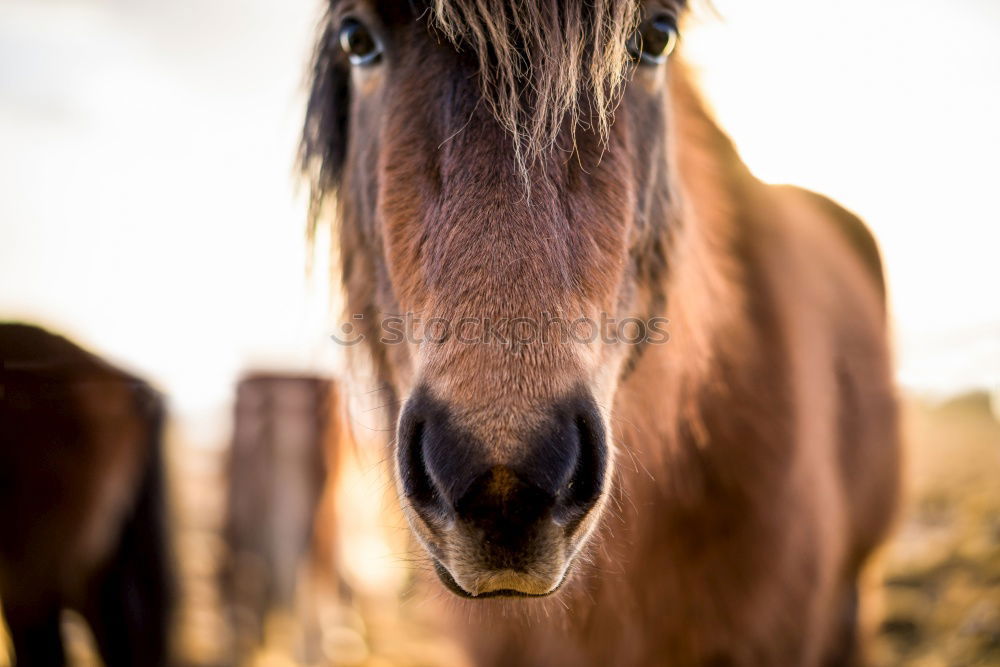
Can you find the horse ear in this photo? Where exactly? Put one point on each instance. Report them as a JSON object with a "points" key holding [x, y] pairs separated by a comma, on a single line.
{"points": [[324, 135]]}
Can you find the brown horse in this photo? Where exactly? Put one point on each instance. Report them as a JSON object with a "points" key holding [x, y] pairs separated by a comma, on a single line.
{"points": [[507, 173], [82, 520], [281, 475]]}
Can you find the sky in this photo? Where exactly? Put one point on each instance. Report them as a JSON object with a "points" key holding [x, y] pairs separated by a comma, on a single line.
{"points": [[148, 205]]}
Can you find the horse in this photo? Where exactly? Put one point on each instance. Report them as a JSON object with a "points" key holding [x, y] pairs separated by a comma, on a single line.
{"points": [[642, 402], [282, 471], [82, 503]]}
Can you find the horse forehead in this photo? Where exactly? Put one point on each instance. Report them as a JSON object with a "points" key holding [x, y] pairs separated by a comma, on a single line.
{"points": [[411, 10]]}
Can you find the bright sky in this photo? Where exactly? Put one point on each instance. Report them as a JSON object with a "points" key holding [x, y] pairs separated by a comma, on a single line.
{"points": [[892, 108], [148, 209]]}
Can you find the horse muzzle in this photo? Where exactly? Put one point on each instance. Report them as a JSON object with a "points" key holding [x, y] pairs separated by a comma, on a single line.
{"points": [[502, 521]]}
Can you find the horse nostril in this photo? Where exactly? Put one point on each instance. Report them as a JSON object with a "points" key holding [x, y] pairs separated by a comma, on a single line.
{"points": [[585, 485], [445, 473], [417, 483]]}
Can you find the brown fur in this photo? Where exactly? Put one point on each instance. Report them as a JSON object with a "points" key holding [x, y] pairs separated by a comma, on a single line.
{"points": [[82, 504], [276, 475], [534, 84], [756, 452]]}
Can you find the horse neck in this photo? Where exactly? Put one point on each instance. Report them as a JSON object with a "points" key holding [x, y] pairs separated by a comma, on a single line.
{"points": [[661, 414]]}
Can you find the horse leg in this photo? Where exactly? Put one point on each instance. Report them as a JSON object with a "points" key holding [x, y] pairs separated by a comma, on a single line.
{"points": [[131, 599], [845, 650], [128, 627], [36, 636]]}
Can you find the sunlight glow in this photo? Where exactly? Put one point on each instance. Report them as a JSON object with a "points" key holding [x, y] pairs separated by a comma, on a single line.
{"points": [[149, 207], [890, 108]]}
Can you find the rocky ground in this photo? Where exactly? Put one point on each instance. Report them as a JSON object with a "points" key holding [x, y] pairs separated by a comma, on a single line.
{"points": [[942, 581]]}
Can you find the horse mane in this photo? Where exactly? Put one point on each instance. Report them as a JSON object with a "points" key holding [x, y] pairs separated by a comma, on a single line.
{"points": [[544, 65], [541, 61]]}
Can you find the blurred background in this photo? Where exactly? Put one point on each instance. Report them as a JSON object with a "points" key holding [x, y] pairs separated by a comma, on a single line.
{"points": [[149, 210]]}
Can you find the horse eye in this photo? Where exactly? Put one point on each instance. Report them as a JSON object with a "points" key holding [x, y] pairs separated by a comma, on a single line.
{"points": [[357, 41], [654, 40]]}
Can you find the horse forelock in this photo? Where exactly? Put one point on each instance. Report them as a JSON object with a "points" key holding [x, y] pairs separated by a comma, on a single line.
{"points": [[542, 62]]}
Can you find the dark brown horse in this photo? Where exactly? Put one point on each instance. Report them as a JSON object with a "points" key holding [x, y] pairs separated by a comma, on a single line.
{"points": [[82, 521], [503, 170]]}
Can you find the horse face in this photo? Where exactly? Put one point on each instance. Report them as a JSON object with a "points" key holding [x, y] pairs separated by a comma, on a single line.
{"points": [[514, 254]]}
